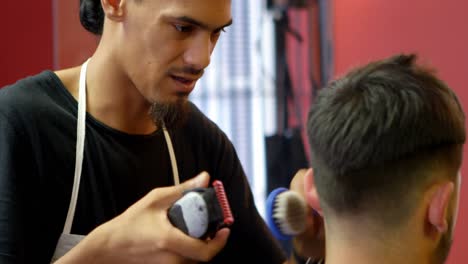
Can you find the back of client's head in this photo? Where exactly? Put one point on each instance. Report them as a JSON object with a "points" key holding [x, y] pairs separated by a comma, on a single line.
{"points": [[380, 137]]}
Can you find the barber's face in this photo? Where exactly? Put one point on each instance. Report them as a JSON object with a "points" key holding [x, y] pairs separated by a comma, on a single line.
{"points": [[167, 44]]}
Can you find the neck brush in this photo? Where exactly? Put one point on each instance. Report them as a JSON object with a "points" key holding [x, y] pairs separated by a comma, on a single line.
{"points": [[286, 213]]}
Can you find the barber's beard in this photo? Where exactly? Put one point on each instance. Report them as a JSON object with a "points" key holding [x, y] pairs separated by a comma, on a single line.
{"points": [[170, 114]]}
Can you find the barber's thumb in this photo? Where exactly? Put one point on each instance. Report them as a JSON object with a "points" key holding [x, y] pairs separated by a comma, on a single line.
{"points": [[199, 181]]}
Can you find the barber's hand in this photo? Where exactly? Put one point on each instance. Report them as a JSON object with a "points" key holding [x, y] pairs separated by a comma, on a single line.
{"points": [[311, 242], [143, 234]]}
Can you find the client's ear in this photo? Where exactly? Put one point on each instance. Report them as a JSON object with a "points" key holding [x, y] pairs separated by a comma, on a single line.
{"points": [[310, 191], [438, 205]]}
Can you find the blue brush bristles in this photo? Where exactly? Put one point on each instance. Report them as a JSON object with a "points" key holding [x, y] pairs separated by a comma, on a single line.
{"points": [[272, 224]]}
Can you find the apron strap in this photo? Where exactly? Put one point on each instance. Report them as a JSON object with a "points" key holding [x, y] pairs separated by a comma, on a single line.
{"points": [[80, 138], [175, 172]]}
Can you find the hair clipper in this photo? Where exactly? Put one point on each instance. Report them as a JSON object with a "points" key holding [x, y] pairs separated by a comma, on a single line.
{"points": [[201, 212]]}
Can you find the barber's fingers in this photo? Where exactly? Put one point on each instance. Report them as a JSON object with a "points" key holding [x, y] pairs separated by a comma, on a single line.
{"points": [[201, 180], [197, 249], [166, 196]]}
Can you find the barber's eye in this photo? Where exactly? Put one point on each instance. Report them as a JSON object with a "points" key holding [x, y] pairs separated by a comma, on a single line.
{"points": [[183, 28], [220, 30]]}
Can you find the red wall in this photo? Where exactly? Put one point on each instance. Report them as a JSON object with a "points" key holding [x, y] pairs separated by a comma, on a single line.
{"points": [[435, 29], [303, 62], [73, 43], [26, 39], [31, 43]]}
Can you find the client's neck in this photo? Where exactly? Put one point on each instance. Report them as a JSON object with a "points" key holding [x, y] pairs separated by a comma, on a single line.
{"points": [[362, 243]]}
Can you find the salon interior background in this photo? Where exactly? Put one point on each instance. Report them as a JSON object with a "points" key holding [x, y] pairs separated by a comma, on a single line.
{"points": [[36, 35]]}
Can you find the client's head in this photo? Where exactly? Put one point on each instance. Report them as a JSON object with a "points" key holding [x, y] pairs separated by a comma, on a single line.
{"points": [[386, 147]]}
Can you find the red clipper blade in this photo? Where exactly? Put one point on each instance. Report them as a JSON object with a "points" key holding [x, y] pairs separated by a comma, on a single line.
{"points": [[224, 203]]}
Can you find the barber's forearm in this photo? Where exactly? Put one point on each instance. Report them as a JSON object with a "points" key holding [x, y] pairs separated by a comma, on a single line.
{"points": [[89, 250]]}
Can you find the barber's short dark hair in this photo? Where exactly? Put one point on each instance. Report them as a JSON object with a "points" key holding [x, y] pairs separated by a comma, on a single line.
{"points": [[92, 16], [376, 133]]}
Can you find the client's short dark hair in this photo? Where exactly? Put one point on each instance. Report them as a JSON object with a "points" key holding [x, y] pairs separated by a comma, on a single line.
{"points": [[376, 133]]}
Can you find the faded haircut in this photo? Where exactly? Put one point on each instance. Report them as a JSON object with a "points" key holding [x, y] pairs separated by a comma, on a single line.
{"points": [[378, 132]]}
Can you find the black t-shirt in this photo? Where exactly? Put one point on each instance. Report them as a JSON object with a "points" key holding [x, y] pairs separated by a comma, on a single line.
{"points": [[37, 161]]}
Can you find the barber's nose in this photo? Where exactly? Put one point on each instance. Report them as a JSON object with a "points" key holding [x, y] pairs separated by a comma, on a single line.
{"points": [[198, 55]]}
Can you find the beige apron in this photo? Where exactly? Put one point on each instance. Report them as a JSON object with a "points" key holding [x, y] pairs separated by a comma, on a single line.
{"points": [[67, 240]]}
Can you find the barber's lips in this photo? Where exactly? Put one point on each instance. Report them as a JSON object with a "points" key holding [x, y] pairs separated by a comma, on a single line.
{"points": [[184, 85]]}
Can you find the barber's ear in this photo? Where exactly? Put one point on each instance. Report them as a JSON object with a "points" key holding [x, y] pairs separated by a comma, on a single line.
{"points": [[113, 9], [310, 191], [438, 206]]}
